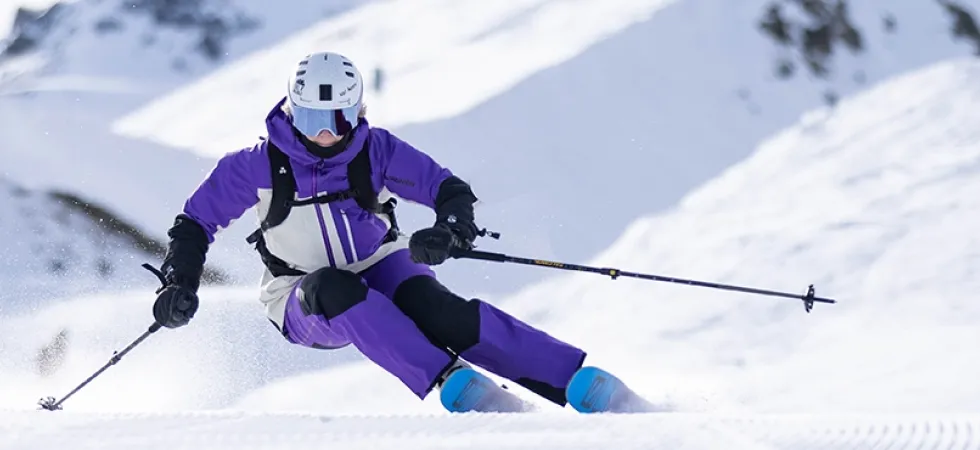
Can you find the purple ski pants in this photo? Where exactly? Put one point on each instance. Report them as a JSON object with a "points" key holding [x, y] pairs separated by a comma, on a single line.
{"points": [[401, 318]]}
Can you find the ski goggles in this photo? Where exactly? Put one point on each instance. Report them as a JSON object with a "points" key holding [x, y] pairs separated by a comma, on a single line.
{"points": [[311, 121]]}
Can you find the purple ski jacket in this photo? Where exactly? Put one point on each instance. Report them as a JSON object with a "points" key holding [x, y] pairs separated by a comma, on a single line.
{"points": [[339, 234]]}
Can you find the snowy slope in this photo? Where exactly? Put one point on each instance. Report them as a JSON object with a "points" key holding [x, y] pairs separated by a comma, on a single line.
{"points": [[665, 95], [875, 204], [52, 249], [229, 350], [237, 430], [567, 159]]}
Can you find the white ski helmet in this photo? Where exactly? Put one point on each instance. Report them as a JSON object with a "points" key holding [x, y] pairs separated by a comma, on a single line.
{"points": [[325, 93]]}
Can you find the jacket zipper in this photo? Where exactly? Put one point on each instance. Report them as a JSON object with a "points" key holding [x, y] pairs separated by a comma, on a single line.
{"points": [[319, 216]]}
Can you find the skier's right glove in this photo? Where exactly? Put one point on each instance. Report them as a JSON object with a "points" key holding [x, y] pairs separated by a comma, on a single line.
{"points": [[183, 267], [175, 306]]}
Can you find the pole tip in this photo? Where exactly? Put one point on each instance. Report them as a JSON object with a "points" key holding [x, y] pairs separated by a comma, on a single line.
{"points": [[49, 404]]}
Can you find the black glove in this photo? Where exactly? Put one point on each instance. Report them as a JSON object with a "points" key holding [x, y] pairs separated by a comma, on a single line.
{"points": [[462, 227], [454, 209], [454, 227], [175, 306], [434, 245], [183, 267]]}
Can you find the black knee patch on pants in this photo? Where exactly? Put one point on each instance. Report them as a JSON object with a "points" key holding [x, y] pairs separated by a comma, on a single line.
{"points": [[447, 319], [330, 292]]}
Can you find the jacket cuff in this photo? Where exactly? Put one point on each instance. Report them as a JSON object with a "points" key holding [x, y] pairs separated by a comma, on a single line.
{"points": [[183, 264], [454, 207]]}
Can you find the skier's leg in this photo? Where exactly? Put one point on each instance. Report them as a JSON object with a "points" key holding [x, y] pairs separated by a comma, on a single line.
{"points": [[476, 330], [331, 308]]}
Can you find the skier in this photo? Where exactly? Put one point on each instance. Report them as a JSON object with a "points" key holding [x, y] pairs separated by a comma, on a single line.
{"points": [[338, 270]]}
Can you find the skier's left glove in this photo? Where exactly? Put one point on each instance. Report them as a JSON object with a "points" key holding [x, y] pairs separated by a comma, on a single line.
{"points": [[454, 228], [433, 246], [454, 210]]}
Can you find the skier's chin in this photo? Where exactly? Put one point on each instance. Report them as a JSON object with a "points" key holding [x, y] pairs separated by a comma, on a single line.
{"points": [[325, 138]]}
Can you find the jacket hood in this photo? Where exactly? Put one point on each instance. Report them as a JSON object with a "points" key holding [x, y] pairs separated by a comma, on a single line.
{"points": [[282, 134]]}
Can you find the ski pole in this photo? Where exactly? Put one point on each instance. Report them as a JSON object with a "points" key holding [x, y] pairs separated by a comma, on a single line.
{"points": [[808, 299], [50, 404]]}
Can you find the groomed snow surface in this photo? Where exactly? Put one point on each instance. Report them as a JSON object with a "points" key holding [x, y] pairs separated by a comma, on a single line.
{"points": [[242, 430]]}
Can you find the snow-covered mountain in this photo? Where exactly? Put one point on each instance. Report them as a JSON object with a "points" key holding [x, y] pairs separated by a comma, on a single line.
{"points": [[151, 40], [606, 110], [87, 76], [9, 11], [438, 58], [686, 102], [566, 160], [59, 96]]}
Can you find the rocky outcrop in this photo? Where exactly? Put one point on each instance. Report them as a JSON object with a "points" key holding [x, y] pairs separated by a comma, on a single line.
{"points": [[212, 23], [824, 28]]}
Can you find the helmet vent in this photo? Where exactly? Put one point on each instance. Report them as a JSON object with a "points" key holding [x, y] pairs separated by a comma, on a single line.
{"points": [[350, 74], [326, 92], [348, 64], [300, 73]]}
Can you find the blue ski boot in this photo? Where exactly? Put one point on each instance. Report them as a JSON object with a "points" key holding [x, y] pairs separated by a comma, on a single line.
{"points": [[593, 390], [466, 390]]}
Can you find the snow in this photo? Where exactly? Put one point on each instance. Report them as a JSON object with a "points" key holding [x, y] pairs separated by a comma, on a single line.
{"points": [[873, 202], [870, 203], [57, 105], [441, 57], [656, 100], [230, 350], [244, 430], [9, 8], [123, 102], [59, 251]]}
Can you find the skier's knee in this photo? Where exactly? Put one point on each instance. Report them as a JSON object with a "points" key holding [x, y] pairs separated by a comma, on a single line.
{"points": [[330, 292]]}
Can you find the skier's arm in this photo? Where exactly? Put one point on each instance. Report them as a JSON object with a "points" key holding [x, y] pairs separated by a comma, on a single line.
{"points": [[224, 195], [414, 175]]}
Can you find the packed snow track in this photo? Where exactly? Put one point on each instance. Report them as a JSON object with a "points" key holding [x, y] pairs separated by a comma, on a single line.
{"points": [[241, 430]]}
